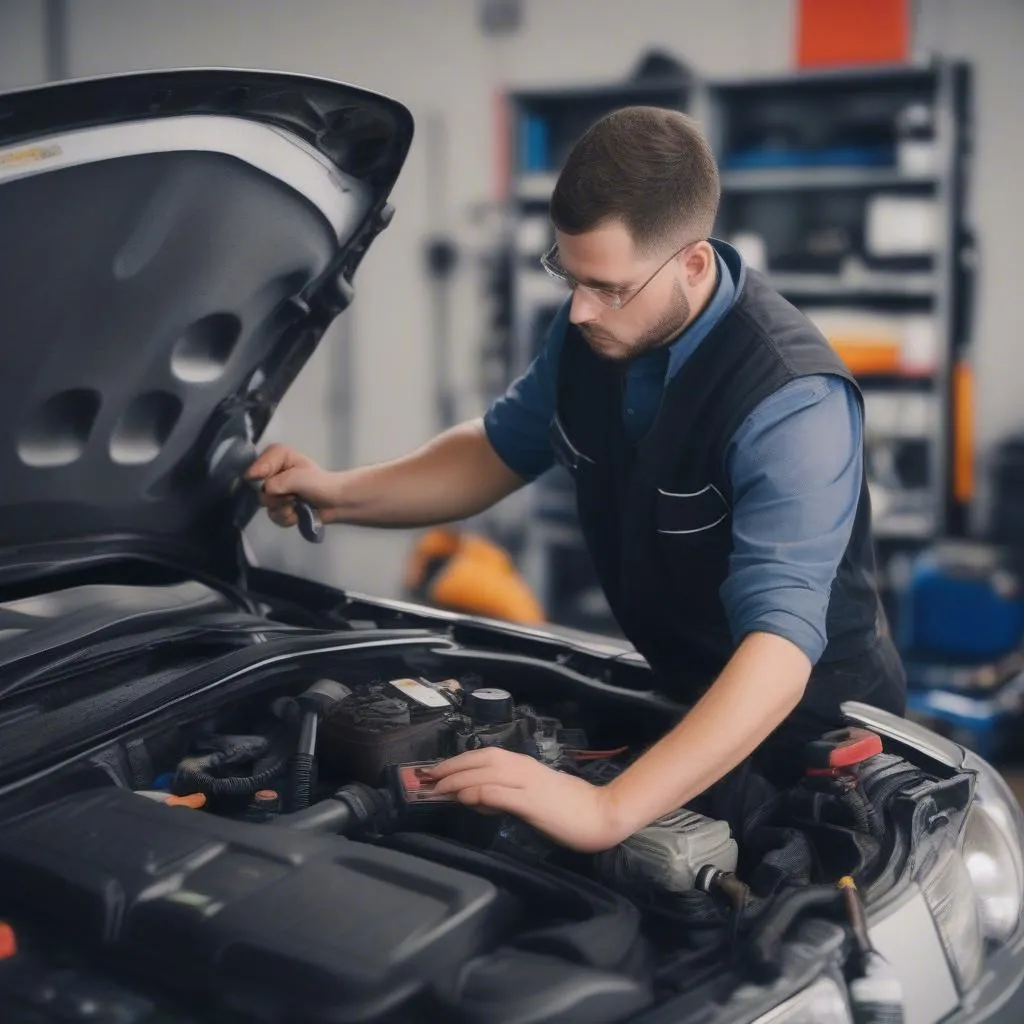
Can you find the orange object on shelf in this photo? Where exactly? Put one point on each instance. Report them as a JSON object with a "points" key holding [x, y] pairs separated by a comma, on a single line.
{"points": [[841, 32], [868, 357], [963, 432]]}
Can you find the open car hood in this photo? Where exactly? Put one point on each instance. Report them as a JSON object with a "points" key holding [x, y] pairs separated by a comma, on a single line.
{"points": [[175, 244]]}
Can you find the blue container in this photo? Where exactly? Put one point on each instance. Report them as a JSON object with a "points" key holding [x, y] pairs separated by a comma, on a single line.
{"points": [[987, 724], [963, 602]]}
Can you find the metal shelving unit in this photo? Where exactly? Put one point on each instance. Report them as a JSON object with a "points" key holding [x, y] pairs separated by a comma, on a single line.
{"points": [[847, 189]]}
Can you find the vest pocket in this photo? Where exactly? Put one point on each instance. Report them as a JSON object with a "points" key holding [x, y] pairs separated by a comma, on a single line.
{"points": [[690, 514], [567, 454]]}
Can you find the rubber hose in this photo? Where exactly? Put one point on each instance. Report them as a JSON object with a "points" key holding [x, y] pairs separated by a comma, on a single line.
{"points": [[355, 806], [193, 778], [301, 781], [329, 817]]}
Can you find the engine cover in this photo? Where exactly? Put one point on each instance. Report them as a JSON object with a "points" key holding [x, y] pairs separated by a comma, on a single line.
{"points": [[280, 924]]}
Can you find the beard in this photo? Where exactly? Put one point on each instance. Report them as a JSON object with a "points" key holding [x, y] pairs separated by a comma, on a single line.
{"points": [[607, 345]]}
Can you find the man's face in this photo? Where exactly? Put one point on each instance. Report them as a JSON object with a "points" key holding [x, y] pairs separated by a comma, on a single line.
{"points": [[658, 291]]}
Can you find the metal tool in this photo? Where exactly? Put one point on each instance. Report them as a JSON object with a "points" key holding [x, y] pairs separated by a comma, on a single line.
{"points": [[229, 460]]}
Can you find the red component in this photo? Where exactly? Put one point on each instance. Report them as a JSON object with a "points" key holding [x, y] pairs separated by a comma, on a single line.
{"points": [[418, 787], [8, 941], [193, 800], [841, 749]]}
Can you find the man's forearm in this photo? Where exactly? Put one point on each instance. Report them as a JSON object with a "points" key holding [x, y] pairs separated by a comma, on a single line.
{"points": [[761, 684], [456, 475]]}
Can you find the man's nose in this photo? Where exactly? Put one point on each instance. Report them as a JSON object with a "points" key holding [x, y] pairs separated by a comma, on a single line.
{"points": [[584, 308]]}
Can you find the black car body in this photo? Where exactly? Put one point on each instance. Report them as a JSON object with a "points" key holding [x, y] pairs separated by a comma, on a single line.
{"points": [[203, 813]]}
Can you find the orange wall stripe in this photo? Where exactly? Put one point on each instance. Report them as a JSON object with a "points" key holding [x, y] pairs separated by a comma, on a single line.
{"points": [[838, 32]]}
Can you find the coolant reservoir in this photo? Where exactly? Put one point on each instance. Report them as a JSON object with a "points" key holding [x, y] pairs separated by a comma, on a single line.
{"points": [[669, 853]]}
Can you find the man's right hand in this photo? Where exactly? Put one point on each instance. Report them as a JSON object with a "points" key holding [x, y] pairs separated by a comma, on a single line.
{"points": [[286, 475], [456, 475]]}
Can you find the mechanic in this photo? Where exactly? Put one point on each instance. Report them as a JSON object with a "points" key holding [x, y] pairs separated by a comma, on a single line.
{"points": [[716, 441]]}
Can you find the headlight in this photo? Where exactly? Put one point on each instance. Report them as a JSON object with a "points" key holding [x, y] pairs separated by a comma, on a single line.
{"points": [[992, 849], [820, 1003], [950, 895]]}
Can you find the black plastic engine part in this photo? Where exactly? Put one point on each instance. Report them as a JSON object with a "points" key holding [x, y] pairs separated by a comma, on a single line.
{"points": [[513, 735], [291, 926], [323, 697], [363, 735], [352, 809], [217, 769], [264, 806], [584, 924], [489, 706]]}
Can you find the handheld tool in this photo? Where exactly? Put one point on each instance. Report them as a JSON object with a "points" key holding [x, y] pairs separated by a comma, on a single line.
{"points": [[228, 462]]}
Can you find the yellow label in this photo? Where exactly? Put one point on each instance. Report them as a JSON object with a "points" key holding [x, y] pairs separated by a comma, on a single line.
{"points": [[28, 155]]}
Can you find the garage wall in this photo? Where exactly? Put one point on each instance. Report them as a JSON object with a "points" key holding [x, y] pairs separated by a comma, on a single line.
{"points": [[432, 55], [22, 50]]}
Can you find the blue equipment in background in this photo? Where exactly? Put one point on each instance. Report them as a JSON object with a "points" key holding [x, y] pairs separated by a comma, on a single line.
{"points": [[960, 630]]}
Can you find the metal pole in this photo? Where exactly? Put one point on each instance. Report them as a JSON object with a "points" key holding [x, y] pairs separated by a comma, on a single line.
{"points": [[55, 39]]}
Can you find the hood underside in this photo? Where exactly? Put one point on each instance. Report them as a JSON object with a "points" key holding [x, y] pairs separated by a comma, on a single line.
{"points": [[175, 245]]}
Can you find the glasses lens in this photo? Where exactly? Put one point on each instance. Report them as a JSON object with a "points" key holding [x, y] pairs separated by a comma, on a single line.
{"points": [[551, 263], [609, 299]]}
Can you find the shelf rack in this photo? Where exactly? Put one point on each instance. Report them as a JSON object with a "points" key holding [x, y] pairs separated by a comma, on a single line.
{"points": [[846, 188]]}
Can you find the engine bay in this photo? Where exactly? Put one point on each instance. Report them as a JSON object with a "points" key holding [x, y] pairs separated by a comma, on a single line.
{"points": [[276, 854]]}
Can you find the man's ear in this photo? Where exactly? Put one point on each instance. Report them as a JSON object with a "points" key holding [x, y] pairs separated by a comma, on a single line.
{"points": [[698, 262]]}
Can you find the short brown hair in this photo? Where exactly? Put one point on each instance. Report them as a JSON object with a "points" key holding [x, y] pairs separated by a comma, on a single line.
{"points": [[649, 167]]}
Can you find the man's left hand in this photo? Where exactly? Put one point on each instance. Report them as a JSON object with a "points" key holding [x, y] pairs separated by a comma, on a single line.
{"points": [[571, 811]]}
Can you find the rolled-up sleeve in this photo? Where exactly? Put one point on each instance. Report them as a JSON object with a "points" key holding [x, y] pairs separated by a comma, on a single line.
{"points": [[796, 467], [517, 422]]}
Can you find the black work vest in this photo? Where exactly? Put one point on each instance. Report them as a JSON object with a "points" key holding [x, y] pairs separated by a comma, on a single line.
{"points": [[656, 515]]}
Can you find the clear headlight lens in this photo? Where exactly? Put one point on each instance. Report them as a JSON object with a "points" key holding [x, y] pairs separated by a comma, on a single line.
{"points": [[820, 1003], [992, 850], [950, 896]]}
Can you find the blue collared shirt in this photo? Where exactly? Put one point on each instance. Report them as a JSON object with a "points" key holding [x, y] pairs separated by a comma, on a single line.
{"points": [[795, 465]]}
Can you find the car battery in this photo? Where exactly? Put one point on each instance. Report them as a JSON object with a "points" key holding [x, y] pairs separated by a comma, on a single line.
{"points": [[962, 601], [390, 723]]}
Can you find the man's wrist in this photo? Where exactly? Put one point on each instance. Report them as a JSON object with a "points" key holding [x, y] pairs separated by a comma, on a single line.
{"points": [[339, 493], [620, 825]]}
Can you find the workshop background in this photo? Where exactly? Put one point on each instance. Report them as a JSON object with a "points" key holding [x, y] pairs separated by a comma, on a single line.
{"points": [[871, 154]]}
